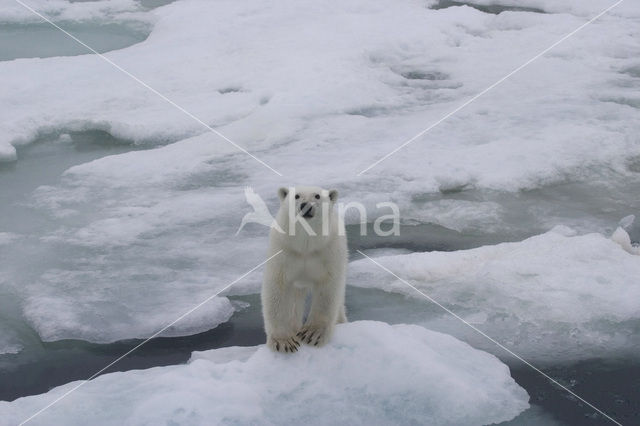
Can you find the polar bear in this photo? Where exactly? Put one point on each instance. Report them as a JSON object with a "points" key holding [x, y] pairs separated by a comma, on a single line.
{"points": [[312, 248]]}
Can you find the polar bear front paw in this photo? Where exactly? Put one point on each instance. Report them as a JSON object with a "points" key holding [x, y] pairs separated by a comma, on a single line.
{"points": [[285, 344], [313, 335]]}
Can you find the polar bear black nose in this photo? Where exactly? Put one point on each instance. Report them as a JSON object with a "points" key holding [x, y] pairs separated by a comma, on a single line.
{"points": [[303, 206]]}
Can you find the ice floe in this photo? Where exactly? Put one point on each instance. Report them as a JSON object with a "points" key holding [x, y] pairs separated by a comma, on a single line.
{"points": [[9, 341], [370, 373], [553, 296]]}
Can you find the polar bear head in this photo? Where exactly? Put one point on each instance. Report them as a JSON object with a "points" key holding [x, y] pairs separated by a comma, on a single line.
{"points": [[308, 208], [307, 200]]}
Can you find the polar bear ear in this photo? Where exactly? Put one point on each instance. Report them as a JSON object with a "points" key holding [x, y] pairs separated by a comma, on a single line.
{"points": [[282, 193], [333, 195]]}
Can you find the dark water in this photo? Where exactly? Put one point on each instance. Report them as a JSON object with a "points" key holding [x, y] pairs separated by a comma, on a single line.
{"points": [[611, 385], [428, 237], [42, 40], [489, 8]]}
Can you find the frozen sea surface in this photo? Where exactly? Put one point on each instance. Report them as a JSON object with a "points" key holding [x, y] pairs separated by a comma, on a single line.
{"points": [[153, 219], [106, 242], [119, 211]]}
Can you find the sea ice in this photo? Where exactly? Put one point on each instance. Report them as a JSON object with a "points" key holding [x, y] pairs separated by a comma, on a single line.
{"points": [[133, 313], [9, 342], [553, 296], [319, 92], [370, 373]]}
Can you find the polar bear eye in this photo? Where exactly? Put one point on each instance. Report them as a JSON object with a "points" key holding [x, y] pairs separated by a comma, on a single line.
{"points": [[317, 196], [297, 196]]}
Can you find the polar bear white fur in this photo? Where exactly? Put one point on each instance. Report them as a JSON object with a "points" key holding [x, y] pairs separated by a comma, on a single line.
{"points": [[312, 257]]}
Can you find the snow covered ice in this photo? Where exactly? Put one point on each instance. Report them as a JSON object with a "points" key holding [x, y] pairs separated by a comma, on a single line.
{"points": [[417, 375], [553, 296]]}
